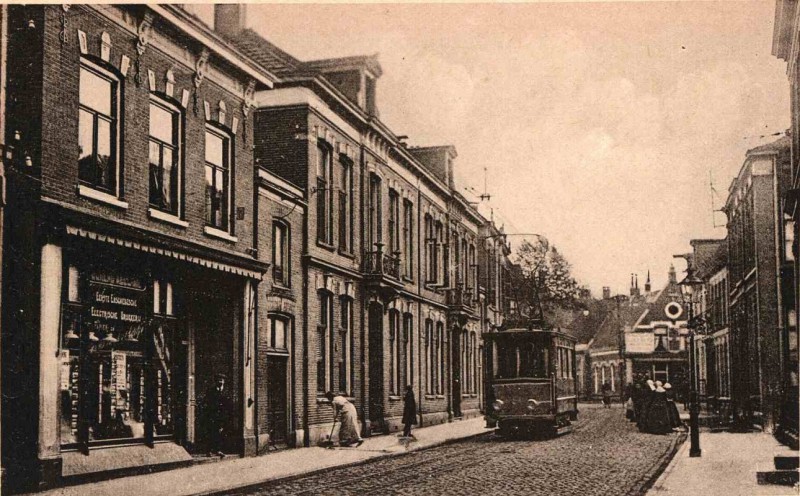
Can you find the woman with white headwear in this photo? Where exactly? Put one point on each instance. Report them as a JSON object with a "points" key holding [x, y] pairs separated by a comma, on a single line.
{"points": [[657, 413], [672, 409], [647, 398]]}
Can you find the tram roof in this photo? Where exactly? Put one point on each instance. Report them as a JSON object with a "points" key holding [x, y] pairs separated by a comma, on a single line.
{"points": [[521, 331]]}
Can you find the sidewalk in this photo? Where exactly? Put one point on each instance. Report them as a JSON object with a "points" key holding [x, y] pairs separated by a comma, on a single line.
{"points": [[727, 467], [233, 473]]}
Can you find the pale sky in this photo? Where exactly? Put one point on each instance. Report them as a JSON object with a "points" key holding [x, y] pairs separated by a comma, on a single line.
{"points": [[599, 123]]}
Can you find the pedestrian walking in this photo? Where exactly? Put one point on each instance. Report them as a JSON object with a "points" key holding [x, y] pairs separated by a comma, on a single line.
{"points": [[630, 391], [345, 413], [606, 389], [409, 411], [218, 409]]}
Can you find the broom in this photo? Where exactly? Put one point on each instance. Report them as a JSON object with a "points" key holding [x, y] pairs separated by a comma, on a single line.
{"points": [[329, 442]]}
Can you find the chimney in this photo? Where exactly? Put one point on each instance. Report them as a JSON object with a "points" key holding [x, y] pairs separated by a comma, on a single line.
{"points": [[606, 293], [647, 285], [673, 279], [229, 18], [632, 289]]}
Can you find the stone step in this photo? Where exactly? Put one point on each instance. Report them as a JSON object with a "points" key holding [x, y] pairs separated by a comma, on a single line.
{"points": [[778, 477], [787, 462]]}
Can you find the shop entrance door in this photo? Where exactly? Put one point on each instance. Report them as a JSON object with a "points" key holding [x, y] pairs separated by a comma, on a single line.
{"points": [[276, 399], [213, 349]]}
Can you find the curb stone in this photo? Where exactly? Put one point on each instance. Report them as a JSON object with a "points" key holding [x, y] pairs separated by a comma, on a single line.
{"points": [[645, 483], [243, 489]]}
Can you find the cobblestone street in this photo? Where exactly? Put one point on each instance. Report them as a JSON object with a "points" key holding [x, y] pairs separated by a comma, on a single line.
{"points": [[605, 454]]}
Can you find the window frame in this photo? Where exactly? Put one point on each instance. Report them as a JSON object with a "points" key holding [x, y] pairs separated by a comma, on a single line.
{"points": [[272, 318], [346, 194], [324, 193], [281, 273], [228, 159], [115, 123], [178, 154]]}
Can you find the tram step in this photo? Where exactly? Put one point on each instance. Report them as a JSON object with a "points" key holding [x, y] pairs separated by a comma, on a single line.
{"points": [[787, 462], [778, 477]]}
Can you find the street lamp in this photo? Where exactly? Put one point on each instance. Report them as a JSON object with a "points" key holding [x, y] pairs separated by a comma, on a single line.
{"points": [[690, 287]]}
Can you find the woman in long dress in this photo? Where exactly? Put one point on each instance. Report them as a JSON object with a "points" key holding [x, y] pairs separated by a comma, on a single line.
{"points": [[674, 415], [345, 413], [658, 421]]}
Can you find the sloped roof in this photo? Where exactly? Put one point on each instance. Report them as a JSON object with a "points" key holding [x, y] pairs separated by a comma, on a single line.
{"points": [[265, 53], [777, 146], [609, 333], [710, 265], [671, 292], [587, 324]]}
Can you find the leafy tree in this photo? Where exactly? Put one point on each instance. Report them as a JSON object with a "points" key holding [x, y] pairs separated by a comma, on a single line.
{"points": [[542, 281]]}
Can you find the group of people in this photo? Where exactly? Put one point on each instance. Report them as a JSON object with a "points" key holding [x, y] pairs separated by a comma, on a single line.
{"points": [[651, 404], [346, 415]]}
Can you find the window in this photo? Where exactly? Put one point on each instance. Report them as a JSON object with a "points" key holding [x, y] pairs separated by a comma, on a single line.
{"points": [[98, 128], [345, 353], [429, 357], [394, 352], [438, 259], [280, 254], [440, 357], [218, 178], [164, 156], [278, 327], [408, 238], [661, 372], [430, 250], [408, 364], [324, 338], [375, 217], [345, 206], [788, 237], [473, 268], [394, 222], [324, 198]]}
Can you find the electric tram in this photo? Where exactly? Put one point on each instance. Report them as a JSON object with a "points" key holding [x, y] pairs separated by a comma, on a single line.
{"points": [[532, 382]]}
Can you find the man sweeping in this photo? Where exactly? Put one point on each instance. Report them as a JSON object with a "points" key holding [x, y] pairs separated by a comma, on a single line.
{"points": [[345, 413]]}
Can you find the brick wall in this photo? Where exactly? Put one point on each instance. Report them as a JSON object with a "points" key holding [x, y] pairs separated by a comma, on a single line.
{"points": [[60, 93]]}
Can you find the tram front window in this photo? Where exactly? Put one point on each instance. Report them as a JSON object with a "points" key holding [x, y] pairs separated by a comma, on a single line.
{"points": [[533, 361], [507, 366]]}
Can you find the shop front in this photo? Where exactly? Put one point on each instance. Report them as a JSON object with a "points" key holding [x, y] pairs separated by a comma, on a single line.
{"points": [[141, 340]]}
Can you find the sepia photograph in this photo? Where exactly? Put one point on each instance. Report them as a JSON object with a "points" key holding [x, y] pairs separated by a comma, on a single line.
{"points": [[400, 248]]}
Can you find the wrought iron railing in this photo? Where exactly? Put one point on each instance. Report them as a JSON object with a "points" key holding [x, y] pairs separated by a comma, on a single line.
{"points": [[459, 296], [382, 264]]}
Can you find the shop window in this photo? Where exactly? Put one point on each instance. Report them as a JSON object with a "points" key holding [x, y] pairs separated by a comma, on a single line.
{"points": [[165, 156], [98, 128], [280, 254], [278, 327], [218, 178], [116, 363]]}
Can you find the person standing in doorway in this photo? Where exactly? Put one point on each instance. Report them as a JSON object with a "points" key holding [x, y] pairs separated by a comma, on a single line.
{"points": [[606, 395], [218, 408], [409, 411]]}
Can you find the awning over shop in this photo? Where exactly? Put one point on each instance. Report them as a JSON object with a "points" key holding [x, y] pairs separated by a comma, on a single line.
{"points": [[204, 262]]}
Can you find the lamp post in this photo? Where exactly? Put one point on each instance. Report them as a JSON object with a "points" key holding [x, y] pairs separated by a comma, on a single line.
{"points": [[690, 287]]}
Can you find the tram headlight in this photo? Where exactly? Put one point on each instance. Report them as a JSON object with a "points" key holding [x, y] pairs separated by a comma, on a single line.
{"points": [[532, 404], [497, 405]]}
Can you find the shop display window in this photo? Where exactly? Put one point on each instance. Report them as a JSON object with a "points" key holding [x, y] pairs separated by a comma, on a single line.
{"points": [[117, 359]]}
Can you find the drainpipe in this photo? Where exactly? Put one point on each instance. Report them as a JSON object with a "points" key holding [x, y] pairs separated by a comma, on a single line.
{"points": [[306, 438]]}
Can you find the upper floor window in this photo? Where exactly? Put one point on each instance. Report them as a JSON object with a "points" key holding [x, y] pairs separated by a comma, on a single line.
{"points": [[324, 216], [430, 250], [164, 156], [346, 206], [394, 222], [408, 238], [280, 254], [98, 128], [218, 178], [375, 214]]}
